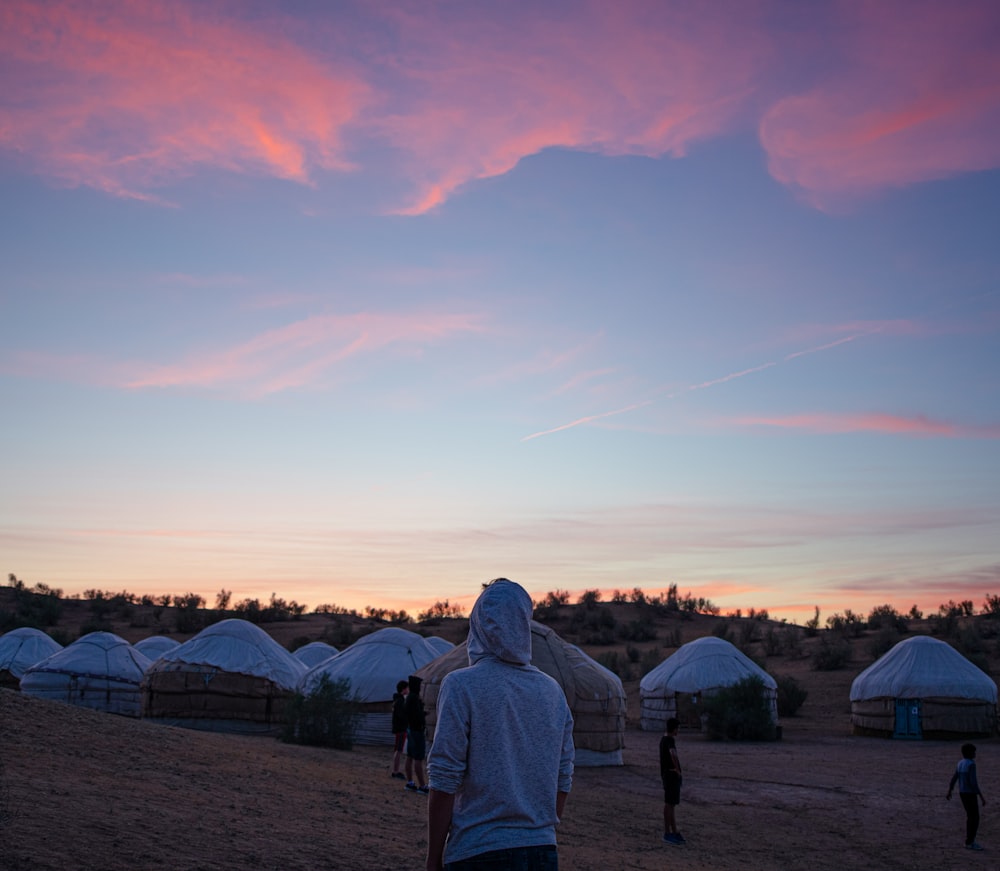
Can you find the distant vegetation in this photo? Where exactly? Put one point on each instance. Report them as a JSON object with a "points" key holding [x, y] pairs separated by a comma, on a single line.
{"points": [[638, 621]]}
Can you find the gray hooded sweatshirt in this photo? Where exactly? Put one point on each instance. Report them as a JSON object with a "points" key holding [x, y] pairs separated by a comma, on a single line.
{"points": [[503, 744]]}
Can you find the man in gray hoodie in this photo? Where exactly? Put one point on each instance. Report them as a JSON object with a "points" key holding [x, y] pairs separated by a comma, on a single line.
{"points": [[501, 764]]}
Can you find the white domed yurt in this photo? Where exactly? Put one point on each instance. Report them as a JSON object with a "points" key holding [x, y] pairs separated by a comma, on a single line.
{"points": [[695, 669], [374, 664], [923, 687], [230, 677], [19, 650], [314, 653], [99, 671], [595, 695], [156, 645], [440, 645]]}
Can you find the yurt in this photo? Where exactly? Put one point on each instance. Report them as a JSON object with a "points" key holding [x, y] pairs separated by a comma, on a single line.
{"points": [[314, 653], [595, 695], [156, 645], [19, 650], [923, 688], [696, 669], [99, 671], [230, 677], [440, 645], [374, 664]]}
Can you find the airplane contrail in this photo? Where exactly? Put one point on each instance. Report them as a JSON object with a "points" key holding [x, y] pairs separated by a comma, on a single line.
{"points": [[692, 387]]}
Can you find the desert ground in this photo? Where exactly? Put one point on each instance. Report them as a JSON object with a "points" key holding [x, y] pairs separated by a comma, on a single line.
{"points": [[85, 790]]}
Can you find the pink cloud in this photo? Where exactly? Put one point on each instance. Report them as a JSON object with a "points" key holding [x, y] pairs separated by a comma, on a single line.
{"points": [[914, 96], [480, 93], [889, 424], [300, 353], [126, 96]]}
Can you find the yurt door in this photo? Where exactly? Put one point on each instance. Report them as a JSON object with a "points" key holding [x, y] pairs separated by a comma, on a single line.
{"points": [[907, 719]]}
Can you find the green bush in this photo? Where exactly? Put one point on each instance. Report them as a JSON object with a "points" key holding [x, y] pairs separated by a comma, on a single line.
{"points": [[791, 695], [741, 712], [326, 717]]}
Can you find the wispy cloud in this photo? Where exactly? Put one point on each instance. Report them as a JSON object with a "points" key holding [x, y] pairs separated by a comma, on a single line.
{"points": [[890, 424], [300, 353]]}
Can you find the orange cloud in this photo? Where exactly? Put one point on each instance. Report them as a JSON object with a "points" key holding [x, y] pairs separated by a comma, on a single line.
{"points": [[915, 97], [879, 423], [127, 96]]}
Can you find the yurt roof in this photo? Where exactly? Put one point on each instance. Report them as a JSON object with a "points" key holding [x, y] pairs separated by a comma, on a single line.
{"points": [[922, 667], [156, 645], [581, 677], [22, 648], [703, 664], [238, 647], [375, 663], [314, 653], [97, 655], [441, 645]]}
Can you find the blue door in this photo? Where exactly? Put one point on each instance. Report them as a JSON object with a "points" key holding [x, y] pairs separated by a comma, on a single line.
{"points": [[907, 719]]}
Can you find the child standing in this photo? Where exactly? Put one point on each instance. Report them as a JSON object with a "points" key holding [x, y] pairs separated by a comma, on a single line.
{"points": [[968, 790], [670, 774], [399, 728]]}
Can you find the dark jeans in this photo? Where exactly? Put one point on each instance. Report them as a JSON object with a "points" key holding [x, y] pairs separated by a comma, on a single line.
{"points": [[970, 801], [541, 858]]}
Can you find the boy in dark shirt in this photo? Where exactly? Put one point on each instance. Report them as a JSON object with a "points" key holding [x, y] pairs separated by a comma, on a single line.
{"points": [[399, 728], [670, 774], [416, 743], [968, 790]]}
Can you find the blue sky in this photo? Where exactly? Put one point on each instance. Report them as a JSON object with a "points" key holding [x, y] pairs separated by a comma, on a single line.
{"points": [[368, 307]]}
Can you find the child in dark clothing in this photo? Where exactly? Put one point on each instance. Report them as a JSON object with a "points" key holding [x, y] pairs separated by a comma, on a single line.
{"points": [[416, 742], [399, 728], [968, 789], [670, 774]]}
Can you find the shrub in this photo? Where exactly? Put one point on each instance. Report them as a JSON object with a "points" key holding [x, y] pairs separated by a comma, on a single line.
{"points": [[612, 661], [741, 712], [812, 625], [831, 654], [326, 717], [791, 695]]}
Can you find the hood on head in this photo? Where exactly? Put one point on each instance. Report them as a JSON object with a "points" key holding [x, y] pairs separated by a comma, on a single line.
{"points": [[500, 624], [414, 683]]}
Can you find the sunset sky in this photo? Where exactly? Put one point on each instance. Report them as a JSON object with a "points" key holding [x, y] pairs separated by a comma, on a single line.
{"points": [[367, 303]]}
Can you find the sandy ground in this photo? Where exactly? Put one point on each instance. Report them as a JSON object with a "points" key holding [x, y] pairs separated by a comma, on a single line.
{"points": [[83, 790], [94, 791]]}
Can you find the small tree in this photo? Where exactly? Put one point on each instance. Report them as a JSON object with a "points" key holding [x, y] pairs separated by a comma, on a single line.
{"points": [[326, 717], [791, 695], [812, 625], [741, 712]]}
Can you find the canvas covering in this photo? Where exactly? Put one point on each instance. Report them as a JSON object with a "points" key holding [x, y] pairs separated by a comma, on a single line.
{"points": [[699, 667], [19, 650], [595, 695], [373, 665], [156, 645], [100, 671], [956, 697], [231, 676], [314, 653], [923, 667]]}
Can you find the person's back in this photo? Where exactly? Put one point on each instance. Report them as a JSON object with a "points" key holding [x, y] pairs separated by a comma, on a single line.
{"points": [[503, 744]]}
